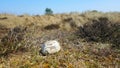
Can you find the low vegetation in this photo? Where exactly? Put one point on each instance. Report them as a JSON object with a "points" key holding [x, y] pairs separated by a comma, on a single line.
{"points": [[101, 30], [88, 40]]}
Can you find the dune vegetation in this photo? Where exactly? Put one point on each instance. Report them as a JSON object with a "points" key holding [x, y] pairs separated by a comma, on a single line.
{"points": [[89, 40]]}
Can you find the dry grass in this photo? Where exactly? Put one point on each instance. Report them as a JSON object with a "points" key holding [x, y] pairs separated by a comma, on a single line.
{"points": [[20, 47]]}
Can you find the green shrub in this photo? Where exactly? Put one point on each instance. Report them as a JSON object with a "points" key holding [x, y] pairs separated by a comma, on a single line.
{"points": [[48, 11]]}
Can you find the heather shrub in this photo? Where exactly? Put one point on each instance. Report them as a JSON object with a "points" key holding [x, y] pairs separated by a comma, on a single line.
{"points": [[101, 30], [3, 31], [12, 42]]}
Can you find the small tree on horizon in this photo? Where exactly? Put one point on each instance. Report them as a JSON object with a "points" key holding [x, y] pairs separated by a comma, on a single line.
{"points": [[48, 11]]}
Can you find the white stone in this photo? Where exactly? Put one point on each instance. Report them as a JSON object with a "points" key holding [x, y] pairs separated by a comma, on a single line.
{"points": [[50, 47]]}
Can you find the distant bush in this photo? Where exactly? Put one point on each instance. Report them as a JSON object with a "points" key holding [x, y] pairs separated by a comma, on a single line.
{"points": [[48, 11], [101, 30], [3, 18], [52, 26], [94, 11]]}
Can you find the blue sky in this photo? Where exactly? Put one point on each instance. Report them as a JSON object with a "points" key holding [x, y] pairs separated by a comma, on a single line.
{"points": [[58, 6]]}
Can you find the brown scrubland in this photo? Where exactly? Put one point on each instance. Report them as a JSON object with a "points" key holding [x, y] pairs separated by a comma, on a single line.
{"points": [[89, 40]]}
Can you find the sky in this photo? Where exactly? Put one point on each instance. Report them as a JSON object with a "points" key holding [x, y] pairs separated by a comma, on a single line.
{"points": [[58, 6]]}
